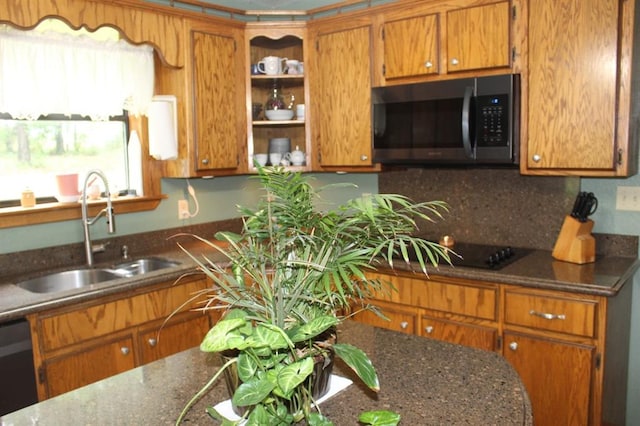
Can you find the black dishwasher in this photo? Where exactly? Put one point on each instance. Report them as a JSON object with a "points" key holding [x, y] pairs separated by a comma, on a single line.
{"points": [[18, 388]]}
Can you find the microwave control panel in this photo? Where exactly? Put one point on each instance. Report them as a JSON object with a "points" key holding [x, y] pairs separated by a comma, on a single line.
{"points": [[492, 120]]}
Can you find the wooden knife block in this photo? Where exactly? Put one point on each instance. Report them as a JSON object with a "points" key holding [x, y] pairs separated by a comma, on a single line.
{"points": [[575, 243]]}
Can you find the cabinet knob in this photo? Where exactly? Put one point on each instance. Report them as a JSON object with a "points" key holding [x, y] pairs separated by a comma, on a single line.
{"points": [[429, 329], [536, 158], [428, 64], [152, 342], [205, 161], [404, 325], [364, 157], [454, 61], [513, 346], [124, 350]]}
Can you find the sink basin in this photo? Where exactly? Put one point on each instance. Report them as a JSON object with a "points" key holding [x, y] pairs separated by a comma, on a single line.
{"points": [[143, 266], [67, 280]]}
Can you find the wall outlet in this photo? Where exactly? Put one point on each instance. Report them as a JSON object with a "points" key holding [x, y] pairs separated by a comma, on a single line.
{"points": [[628, 198], [183, 209]]}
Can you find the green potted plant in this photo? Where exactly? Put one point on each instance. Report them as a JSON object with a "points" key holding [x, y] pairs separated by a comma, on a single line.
{"points": [[294, 273]]}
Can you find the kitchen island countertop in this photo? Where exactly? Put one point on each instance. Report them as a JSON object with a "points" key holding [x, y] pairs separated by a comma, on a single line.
{"points": [[428, 382]]}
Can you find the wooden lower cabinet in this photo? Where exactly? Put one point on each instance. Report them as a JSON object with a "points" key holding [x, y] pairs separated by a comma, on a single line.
{"points": [[81, 344], [570, 349], [557, 375]]}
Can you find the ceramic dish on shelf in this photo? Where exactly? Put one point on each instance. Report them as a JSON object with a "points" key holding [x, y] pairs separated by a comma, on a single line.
{"points": [[279, 114]]}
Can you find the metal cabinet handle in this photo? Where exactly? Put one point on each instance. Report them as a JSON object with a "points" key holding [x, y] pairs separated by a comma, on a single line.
{"points": [[513, 346], [404, 325], [152, 342], [364, 157], [428, 64], [124, 350], [454, 61], [536, 158], [548, 316], [429, 329], [205, 161]]}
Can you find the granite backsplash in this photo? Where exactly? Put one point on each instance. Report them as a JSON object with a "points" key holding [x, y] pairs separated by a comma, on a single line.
{"points": [[497, 206]]}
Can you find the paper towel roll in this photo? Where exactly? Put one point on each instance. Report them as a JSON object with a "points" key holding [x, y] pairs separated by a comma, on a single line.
{"points": [[163, 138]]}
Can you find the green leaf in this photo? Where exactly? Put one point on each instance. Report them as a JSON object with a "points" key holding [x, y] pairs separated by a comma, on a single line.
{"points": [[359, 362], [294, 374], [252, 392], [317, 419], [313, 328], [247, 366], [267, 335], [224, 336], [379, 418]]}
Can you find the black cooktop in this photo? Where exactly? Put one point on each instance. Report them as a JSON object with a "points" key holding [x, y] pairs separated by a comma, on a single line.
{"points": [[484, 256]]}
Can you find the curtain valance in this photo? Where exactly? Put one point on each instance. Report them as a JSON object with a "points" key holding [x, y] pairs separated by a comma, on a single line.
{"points": [[45, 73]]}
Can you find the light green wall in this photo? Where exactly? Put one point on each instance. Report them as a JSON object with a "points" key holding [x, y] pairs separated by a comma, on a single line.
{"points": [[218, 199], [608, 220]]}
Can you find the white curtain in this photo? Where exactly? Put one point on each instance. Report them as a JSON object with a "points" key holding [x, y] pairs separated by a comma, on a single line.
{"points": [[45, 73]]}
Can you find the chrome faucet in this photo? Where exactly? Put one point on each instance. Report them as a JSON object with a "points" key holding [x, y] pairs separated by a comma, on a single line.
{"points": [[86, 222]]}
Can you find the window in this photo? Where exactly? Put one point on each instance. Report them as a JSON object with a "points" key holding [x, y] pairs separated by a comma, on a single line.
{"points": [[33, 152], [52, 80]]}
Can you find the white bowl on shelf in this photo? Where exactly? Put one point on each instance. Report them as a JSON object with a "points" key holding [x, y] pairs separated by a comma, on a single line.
{"points": [[68, 198], [279, 114]]}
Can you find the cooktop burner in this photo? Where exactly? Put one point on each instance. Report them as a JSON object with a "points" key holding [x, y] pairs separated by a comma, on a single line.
{"points": [[484, 256]]}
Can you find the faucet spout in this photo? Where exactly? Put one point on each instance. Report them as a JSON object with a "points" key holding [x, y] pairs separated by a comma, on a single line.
{"points": [[107, 212]]}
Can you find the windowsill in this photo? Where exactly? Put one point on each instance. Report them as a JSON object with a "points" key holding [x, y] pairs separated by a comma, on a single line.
{"points": [[57, 212]]}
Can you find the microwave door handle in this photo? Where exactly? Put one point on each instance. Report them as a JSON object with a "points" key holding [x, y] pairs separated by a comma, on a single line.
{"points": [[466, 121]]}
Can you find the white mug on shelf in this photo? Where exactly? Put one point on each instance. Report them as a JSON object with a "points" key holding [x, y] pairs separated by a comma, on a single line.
{"points": [[300, 111], [292, 66], [275, 158], [261, 158], [271, 65]]}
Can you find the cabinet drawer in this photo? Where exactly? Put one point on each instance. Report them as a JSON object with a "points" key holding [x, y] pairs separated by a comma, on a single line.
{"points": [[551, 312], [455, 332], [405, 321]]}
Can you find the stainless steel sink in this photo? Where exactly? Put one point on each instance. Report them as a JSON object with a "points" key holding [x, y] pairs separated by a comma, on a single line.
{"points": [[78, 278], [67, 280], [143, 266]]}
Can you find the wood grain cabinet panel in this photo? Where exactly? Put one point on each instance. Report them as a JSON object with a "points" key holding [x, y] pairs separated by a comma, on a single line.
{"points": [[161, 340], [73, 370], [557, 376], [402, 319], [553, 313], [341, 97], [465, 334], [478, 37], [411, 47], [215, 94], [582, 127]]}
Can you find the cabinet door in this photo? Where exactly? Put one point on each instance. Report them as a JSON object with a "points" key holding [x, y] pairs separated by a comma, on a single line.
{"points": [[478, 37], [411, 47], [455, 332], [556, 374], [161, 341], [572, 84], [216, 96], [343, 97], [88, 365]]}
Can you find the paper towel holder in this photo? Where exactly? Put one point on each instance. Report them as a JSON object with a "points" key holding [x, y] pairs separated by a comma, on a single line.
{"points": [[158, 129]]}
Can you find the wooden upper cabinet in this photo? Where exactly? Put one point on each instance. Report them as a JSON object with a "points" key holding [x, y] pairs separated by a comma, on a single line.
{"points": [[215, 96], [411, 47], [579, 94], [341, 97], [478, 37]]}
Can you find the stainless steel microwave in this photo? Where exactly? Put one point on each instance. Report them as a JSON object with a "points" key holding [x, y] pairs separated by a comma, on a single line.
{"points": [[454, 122]]}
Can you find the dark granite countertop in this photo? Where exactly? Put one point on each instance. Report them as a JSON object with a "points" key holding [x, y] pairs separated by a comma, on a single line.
{"points": [[538, 269], [426, 381]]}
